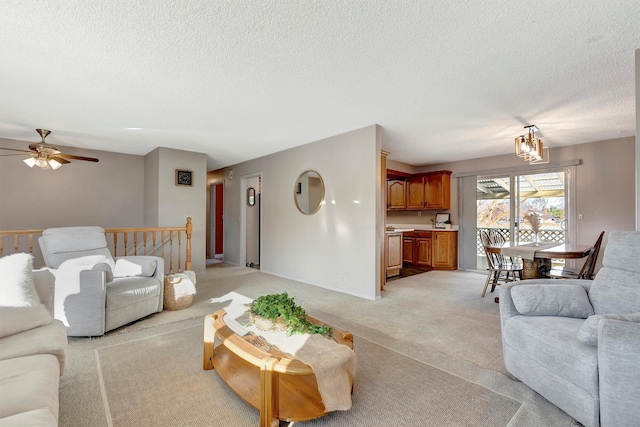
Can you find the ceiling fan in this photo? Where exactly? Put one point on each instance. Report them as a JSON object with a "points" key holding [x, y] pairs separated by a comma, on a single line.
{"points": [[44, 155]]}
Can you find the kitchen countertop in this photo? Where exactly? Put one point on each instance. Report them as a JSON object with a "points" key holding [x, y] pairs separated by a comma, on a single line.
{"points": [[418, 227], [399, 230]]}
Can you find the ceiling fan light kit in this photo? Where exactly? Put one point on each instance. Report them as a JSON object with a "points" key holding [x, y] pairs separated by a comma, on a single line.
{"points": [[530, 148], [45, 156]]}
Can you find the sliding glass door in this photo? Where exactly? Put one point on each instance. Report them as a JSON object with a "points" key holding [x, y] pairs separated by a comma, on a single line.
{"points": [[504, 203]]}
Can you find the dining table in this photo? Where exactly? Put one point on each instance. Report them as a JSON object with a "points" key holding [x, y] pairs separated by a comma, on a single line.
{"points": [[538, 256]]}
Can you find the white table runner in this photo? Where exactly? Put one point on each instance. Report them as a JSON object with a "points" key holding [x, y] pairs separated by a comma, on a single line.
{"points": [[526, 251]]}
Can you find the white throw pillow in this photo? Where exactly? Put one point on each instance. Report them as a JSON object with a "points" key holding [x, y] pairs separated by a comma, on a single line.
{"points": [[16, 281], [19, 319]]}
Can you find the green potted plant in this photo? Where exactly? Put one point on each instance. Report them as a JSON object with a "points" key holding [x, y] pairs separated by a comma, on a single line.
{"points": [[280, 313]]}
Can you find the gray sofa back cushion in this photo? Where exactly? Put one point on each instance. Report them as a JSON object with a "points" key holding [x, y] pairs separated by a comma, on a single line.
{"points": [[616, 287], [61, 244]]}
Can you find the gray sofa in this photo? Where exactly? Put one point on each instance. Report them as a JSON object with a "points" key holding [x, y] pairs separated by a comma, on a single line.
{"points": [[31, 363], [577, 342], [95, 292]]}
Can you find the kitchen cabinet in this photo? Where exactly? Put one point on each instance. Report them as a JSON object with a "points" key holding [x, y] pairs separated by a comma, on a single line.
{"points": [[435, 249], [393, 255], [445, 250], [396, 194], [430, 190]]}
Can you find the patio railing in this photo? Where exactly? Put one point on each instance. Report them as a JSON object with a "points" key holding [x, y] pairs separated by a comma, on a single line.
{"points": [[525, 235]]}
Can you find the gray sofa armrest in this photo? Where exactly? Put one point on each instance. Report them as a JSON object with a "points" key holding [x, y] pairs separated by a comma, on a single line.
{"points": [[159, 273], [619, 372], [80, 301], [44, 283]]}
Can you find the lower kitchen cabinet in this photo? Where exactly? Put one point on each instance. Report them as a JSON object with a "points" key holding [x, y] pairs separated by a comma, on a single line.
{"points": [[445, 250], [394, 254], [436, 249]]}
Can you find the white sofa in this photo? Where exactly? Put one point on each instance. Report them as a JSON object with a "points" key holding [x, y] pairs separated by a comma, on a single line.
{"points": [[32, 359]]}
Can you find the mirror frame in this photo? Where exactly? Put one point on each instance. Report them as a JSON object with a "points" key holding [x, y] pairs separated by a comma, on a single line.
{"points": [[297, 190], [251, 196]]}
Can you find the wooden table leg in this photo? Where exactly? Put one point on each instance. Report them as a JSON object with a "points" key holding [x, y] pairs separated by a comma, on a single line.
{"points": [[208, 340], [269, 399]]}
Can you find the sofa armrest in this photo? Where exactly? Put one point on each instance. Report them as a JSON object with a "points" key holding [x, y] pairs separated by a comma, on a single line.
{"points": [[158, 274], [619, 372], [80, 297], [44, 283]]}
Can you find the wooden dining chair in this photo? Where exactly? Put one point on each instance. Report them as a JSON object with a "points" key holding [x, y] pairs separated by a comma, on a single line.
{"points": [[500, 268], [587, 270]]}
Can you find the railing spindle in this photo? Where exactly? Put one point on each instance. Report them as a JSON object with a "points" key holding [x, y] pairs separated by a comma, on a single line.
{"points": [[29, 235]]}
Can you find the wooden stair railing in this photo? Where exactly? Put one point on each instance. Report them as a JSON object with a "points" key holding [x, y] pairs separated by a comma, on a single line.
{"points": [[158, 241]]}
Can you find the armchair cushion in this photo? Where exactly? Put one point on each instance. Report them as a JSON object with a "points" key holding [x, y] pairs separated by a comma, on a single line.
{"points": [[61, 244], [90, 262], [616, 289], [552, 300], [588, 333], [134, 266], [16, 281], [87, 262]]}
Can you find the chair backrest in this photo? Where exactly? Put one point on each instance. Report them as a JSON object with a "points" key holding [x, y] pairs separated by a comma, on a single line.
{"points": [[586, 272], [493, 237], [61, 244], [616, 287]]}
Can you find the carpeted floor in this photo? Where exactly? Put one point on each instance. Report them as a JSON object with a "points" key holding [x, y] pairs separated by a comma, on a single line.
{"points": [[154, 377], [435, 319]]}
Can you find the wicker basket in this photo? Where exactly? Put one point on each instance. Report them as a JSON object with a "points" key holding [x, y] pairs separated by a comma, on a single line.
{"points": [[175, 295], [265, 324]]}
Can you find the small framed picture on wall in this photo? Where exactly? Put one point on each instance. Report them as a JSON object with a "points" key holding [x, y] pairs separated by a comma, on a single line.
{"points": [[184, 177]]}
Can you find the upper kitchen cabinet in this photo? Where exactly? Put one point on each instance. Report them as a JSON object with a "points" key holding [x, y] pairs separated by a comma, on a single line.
{"points": [[396, 194], [430, 190]]}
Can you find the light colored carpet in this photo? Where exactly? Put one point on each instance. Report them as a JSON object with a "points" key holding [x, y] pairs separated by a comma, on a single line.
{"points": [[436, 318], [154, 377]]}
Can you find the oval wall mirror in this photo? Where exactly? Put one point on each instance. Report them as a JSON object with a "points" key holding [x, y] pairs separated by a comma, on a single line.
{"points": [[308, 192]]}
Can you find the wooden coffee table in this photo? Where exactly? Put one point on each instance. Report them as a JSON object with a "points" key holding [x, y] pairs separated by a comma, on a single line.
{"points": [[280, 387]]}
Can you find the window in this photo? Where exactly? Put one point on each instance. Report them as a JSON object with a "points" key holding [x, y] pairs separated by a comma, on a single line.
{"points": [[504, 201]]}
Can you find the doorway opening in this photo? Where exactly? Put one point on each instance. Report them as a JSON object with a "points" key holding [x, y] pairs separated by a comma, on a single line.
{"points": [[252, 219], [505, 201], [215, 241]]}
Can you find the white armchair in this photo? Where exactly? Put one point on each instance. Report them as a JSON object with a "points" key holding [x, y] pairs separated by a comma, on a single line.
{"points": [[95, 293]]}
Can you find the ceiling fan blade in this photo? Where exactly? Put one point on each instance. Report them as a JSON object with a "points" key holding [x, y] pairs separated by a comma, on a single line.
{"points": [[15, 149], [16, 154], [60, 159], [71, 156]]}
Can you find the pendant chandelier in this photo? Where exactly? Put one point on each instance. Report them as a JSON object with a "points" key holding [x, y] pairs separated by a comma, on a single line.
{"points": [[530, 148]]}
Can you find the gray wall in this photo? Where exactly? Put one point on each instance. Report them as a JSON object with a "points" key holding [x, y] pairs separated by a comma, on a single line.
{"points": [[120, 190], [108, 193], [338, 247], [176, 203], [605, 185]]}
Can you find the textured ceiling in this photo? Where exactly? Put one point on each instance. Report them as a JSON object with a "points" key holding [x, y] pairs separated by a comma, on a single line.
{"points": [[446, 80]]}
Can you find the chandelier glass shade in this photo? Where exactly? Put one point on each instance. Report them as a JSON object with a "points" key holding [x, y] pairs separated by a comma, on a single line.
{"points": [[43, 161], [530, 148]]}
